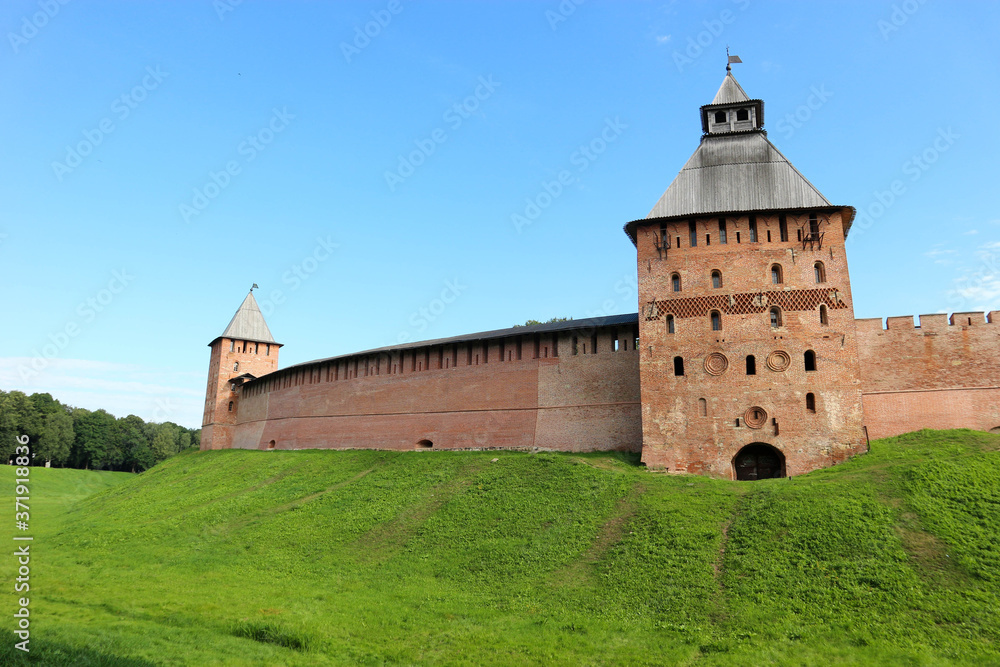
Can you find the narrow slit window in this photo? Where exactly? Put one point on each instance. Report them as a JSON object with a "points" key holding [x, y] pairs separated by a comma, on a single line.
{"points": [[230, 406], [737, 237], [722, 230], [702, 407], [810, 402], [716, 279], [708, 239], [751, 365], [716, 321], [769, 236], [575, 349], [678, 365], [823, 317], [753, 228], [670, 324], [593, 344], [783, 227], [810, 360], [819, 271], [693, 232]]}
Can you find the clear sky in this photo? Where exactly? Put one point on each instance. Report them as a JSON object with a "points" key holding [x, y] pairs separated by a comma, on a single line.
{"points": [[158, 158]]}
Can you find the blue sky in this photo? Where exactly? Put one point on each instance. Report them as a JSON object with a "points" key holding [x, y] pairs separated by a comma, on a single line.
{"points": [[161, 157]]}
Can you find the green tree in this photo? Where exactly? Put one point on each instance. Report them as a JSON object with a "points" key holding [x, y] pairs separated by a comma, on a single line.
{"points": [[534, 322], [135, 442], [95, 435], [17, 418], [165, 441], [56, 441]]}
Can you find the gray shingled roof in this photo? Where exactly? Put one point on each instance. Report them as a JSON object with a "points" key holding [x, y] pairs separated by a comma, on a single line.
{"points": [[737, 172], [248, 324], [730, 92], [568, 325]]}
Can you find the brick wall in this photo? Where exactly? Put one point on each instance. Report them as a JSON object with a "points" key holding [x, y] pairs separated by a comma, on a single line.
{"points": [[942, 373], [582, 402]]}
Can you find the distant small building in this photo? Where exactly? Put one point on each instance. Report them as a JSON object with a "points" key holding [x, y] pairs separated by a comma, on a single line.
{"points": [[743, 362]]}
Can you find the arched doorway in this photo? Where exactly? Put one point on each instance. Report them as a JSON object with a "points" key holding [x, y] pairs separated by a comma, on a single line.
{"points": [[425, 444], [758, 461]]}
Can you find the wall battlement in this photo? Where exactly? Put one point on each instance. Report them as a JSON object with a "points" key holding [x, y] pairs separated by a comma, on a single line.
{"points": [[924, 323], [939, 373]]}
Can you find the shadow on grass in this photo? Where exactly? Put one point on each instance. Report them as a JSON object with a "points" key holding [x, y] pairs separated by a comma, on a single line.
{"points": [[52, 654]]}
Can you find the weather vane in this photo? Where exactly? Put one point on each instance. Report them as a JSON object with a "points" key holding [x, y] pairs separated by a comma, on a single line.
{"points": [[730, 60]]}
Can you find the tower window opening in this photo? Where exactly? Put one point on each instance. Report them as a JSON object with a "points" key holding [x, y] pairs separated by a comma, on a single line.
{"points": [[753, 229], [708, 239], [722, 230], [716, 279], [769, 236], [617, 344], [702, 407], [593, 344], [742, 114], [799, 232], [678, 365], [230, 406], [670, 324], [783, 227], [575, 350], [232, 346], [776, 277], [737, 237], [810, 360], [823, 317], [720, 116], [810, 402], [693, 232], [236, 366], [267, 350], [775, 317], [813, 226], [675, 282], [819, 271], [678, 242], [751, 365], [716, 321]]}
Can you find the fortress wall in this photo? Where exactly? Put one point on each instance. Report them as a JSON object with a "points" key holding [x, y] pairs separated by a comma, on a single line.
{"points": [[573, 402], [942, 373]]}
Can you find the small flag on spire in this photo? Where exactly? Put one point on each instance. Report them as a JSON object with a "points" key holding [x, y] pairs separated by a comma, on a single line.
{"points": [[254, 287], [730, 60]]}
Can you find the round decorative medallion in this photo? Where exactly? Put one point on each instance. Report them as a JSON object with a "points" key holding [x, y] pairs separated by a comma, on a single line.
{"points": [[778, 361], [716, 363], [755, 417]]}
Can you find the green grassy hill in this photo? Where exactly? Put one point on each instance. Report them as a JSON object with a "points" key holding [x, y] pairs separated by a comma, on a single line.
{"points": [[372, 558]]}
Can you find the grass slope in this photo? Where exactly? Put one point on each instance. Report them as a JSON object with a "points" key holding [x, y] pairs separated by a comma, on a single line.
{"points": [[372, 558]]}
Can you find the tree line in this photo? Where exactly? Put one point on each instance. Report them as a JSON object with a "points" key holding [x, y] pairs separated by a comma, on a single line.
{"points": [[77, 438]]}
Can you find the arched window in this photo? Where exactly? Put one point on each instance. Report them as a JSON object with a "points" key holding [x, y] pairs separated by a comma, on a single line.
{"points": [[670, 324], [775, 317], [810, 360], [743, 114], [702, 407], [230, 406], [720, 116], [716, 320], [716, 279], [236, 366], [810, 402], [751, 365], [820, 272], [823, 319], [675, 282], [678, 365], [776, 278]]}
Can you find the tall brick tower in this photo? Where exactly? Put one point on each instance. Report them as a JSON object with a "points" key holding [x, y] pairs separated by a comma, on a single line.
{"points": [[245, 350], [749, 362]]}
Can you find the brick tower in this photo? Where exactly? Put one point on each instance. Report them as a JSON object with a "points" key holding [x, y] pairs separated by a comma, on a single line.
{"points": [[749, 362], [245, 350]]}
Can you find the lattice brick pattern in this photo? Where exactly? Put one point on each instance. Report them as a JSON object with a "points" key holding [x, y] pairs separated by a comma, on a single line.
{"points": [[744, 304]]}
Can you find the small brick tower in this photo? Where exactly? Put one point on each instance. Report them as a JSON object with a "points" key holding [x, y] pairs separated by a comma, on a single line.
{"points": [[749, 362], [245, 350]]}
